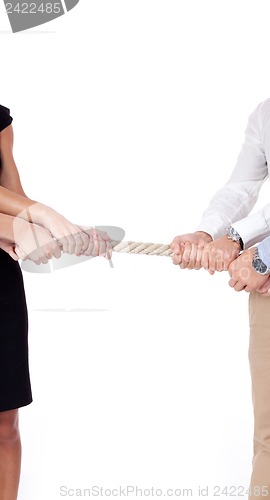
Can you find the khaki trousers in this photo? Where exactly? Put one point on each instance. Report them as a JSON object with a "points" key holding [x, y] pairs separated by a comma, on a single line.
{"points": [[259, 359]]}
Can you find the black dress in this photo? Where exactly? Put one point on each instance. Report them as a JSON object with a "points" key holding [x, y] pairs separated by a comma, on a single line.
{"points": [[15, 386]]}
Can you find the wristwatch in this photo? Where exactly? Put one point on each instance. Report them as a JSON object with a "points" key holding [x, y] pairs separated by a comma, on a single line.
{"points": [[259, 266], [232, 234]]}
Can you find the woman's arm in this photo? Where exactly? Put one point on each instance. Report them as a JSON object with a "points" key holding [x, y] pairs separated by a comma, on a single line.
{"points": [[10, 179], [7, 228], [15, 203], [10, 183], [9, 175]]}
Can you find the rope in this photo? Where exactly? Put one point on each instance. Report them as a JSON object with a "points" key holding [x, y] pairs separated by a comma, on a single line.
{"points": [[141, 248]]}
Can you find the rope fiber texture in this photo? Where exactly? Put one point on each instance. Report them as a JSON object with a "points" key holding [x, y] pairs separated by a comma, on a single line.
{"points": [[141, 248]]}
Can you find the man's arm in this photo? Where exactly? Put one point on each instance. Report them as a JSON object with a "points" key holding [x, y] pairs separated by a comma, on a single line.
{"points": [[235, 200], [231, 203]]}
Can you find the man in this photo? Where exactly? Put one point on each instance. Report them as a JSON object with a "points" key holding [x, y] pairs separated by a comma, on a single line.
{"points": [[224, 241]]}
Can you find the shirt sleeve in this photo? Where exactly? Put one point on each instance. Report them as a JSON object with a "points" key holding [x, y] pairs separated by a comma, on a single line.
{"points": [[5, 118], [264, 251], [232, 203]]}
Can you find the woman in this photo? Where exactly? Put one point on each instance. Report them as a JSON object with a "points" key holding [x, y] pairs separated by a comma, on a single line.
{"points": [[28, 230]]}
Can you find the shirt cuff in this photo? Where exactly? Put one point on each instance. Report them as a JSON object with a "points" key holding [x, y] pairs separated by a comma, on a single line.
{"points": [[252, 229], [264, 251], [213, 227]]}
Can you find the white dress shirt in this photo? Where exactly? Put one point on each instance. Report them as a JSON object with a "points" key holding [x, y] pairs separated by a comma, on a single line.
{"points": [[232, 204]]}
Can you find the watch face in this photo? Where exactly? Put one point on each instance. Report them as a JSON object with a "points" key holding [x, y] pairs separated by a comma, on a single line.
{"points": [[259, 266], [235, 234]]}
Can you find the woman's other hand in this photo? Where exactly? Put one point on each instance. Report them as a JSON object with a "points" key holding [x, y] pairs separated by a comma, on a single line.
{"points": [[34, 242], [9, 248], [71, 238]]}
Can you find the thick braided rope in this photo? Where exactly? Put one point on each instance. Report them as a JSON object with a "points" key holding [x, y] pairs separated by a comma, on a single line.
{"points": [[141, 248]]}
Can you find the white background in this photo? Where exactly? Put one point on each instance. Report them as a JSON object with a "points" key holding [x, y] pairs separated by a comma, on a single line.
{"points": [[132, 113]]}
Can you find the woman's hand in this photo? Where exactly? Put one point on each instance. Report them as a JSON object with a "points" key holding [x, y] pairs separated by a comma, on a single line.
{"points": [[99, 243], [9, 248], [33, 242], [71, 238]]}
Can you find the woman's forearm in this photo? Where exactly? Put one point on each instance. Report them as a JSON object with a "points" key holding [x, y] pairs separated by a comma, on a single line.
{"points": [[16, 205], [7, 231], [12, 203]]}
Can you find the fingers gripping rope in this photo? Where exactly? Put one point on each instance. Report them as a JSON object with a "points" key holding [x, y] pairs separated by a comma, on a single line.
{"points": [[130, 247], [141, 248]]}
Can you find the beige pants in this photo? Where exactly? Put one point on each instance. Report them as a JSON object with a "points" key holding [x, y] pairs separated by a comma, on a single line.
{"points": [[259, 358]]}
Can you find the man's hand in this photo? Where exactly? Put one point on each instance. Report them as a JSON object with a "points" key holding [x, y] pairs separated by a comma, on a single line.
{"points": [[187, 249], [265, 288], [243, 275], [218, 254]]}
